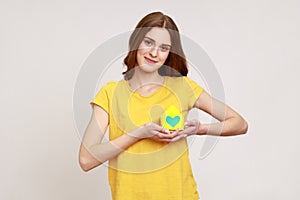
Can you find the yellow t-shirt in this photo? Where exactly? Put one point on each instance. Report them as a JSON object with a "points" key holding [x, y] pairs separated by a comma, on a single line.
{"points": [[149, 170]]}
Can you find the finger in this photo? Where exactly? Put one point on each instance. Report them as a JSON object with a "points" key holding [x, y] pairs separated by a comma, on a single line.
{"points": [[162, 135], [190, 123], [175, 133], [167, 136], [164, 140], [179, 137], [172, 134], [164, 130], [187, 123], [160, 128], [186, 126], [184, 132], [156, 138]]}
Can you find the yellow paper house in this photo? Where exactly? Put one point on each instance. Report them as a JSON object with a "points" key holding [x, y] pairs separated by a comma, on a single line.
{"points": [[172, 119]]}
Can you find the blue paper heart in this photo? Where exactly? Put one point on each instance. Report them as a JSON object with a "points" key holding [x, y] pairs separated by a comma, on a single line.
{"points": [[173, 120]]}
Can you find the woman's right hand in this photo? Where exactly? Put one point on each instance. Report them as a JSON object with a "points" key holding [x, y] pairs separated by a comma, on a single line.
{"points": [[155, 132]]}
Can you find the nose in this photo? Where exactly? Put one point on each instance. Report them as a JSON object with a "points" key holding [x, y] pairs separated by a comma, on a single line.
{"points": [[153, 51]]}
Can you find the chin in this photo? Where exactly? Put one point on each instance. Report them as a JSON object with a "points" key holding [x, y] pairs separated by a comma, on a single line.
{"points": [[149, 68]]}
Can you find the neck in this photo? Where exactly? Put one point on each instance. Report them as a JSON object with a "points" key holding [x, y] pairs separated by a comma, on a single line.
{"points": [[142, 79]]}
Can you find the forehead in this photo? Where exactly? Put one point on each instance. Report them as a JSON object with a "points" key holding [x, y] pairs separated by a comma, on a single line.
{"points": [[160, 35]]}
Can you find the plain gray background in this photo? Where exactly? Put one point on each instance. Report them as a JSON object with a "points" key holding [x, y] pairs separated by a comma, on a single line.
{"points": [[253, 44]]}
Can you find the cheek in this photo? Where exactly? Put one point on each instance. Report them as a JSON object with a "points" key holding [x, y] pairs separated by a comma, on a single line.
{"points": [[141, 52], [139, 56], [164, 56]]}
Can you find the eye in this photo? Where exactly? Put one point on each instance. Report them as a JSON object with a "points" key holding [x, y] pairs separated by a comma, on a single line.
{"points": [[165, 48], [148, 42]]}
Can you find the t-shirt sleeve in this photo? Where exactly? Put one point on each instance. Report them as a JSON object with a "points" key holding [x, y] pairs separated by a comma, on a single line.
{"points": [[197, 89], [102, 98]]}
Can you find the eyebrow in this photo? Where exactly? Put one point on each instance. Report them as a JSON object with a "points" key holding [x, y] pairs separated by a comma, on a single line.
{"points": [[155, 41]]}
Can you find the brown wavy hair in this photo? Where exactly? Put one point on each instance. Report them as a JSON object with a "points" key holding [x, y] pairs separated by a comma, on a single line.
{"points": [[175, 64]]}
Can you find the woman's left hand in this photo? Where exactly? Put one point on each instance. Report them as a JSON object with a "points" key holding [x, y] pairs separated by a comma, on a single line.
{"points": [[191, 127]]}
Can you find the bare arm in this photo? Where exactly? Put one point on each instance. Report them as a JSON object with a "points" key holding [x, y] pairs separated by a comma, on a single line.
{"points": [[231, 123], [93, 152]]}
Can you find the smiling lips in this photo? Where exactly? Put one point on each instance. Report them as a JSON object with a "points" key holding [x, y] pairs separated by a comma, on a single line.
{"points": [[150, 61]]}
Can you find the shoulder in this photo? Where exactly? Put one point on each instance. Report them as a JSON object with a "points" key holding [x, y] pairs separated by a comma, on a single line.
{"points": [[182, 80], [174, 80], [114, 88], [110, 86]]}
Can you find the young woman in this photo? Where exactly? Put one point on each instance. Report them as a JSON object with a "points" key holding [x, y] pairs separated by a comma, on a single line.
{"points": [[146, 159]]}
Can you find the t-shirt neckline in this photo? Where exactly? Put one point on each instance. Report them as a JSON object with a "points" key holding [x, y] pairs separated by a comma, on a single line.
{"points": [[148, 96]]}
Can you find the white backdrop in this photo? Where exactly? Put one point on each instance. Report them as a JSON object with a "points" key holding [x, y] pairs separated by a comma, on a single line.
{"points": [[253, 44]]}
